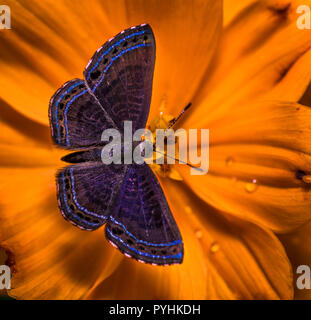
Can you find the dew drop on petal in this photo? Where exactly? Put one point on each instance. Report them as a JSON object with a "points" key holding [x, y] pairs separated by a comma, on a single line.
{"points": [[214, 247], [188, 209], [234, 179], [252, 186], [229, 161], [198, 233]]}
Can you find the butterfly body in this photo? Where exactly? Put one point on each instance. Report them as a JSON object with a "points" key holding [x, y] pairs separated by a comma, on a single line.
{"points": [[126, 198]]}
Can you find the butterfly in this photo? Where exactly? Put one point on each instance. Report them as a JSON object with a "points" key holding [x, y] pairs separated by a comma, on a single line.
{"points": [[127, 199]]}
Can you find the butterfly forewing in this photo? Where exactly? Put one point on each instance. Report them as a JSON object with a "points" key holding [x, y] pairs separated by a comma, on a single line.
{"points": [[76, 119], [120, 75], [142, 225]]}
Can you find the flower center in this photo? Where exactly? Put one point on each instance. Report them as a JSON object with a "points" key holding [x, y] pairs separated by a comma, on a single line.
{"points": [[162, 121]]}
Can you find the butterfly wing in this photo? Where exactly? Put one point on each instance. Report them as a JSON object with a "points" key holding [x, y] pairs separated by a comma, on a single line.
{"points": [[118, 87], [142, 225], [86, 192], [120, 75], [77, 120]]}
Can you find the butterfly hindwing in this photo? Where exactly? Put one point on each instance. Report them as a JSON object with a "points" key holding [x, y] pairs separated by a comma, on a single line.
{"points": [[120, 75], [76, 119], [86, 192], [142, 225]]}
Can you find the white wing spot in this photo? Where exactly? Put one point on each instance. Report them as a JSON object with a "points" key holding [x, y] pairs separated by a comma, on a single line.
{"points": [[88, 64], [113, 244]]}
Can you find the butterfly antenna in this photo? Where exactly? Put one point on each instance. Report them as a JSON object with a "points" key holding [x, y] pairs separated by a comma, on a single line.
{"points": [[174, 120], [180, 161]]}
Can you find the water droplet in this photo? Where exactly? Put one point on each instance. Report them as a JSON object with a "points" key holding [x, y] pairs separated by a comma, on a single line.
{"points": [[198, 233], [234, 179], [251, 186], [214, 247], [188, 209], [306, 178], [229, 161]]}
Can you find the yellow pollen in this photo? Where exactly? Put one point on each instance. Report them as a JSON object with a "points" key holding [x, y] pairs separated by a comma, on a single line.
{"points": [[162, 121]]}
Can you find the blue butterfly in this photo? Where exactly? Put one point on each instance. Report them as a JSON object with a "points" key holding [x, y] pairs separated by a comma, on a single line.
{"points": [[128, 199]]}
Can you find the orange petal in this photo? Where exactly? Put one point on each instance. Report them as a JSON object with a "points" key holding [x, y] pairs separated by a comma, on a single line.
{"points": [[257, 50], [51, 259], [297, 245], [30, 157], [224, 259], [232, 8], [186, 38], [238, 254], [306, 98], [38, 57], [18, 130], [268, 143], [24, 142], [294, 84], [41, 52]]}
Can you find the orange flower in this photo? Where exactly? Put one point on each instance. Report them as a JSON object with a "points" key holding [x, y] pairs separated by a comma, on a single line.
{"points": [[297, 243], [244, 81]]}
